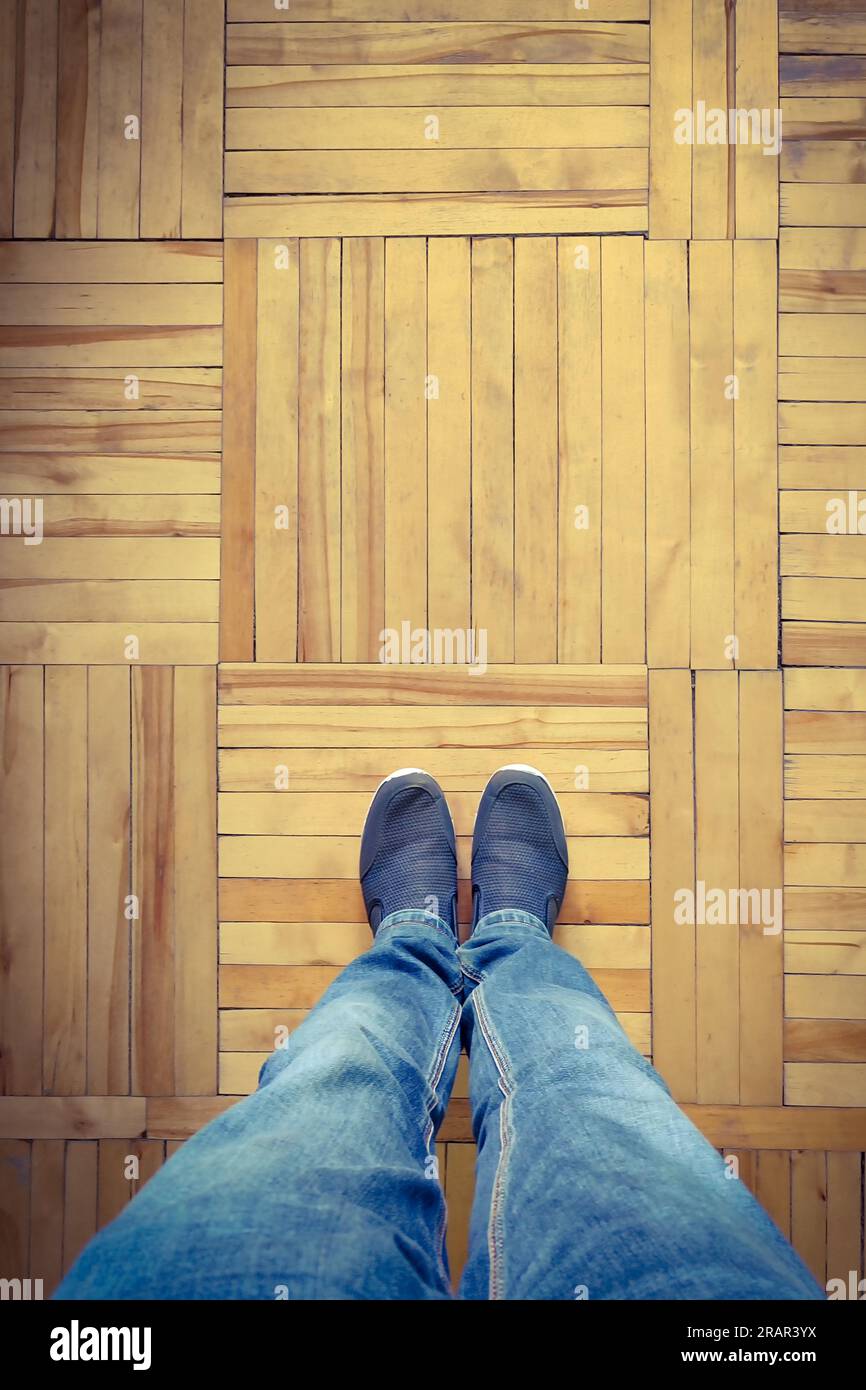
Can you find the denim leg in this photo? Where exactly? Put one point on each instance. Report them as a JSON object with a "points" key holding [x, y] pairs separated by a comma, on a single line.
{"points": [[591, 1183], [322, 1184]]}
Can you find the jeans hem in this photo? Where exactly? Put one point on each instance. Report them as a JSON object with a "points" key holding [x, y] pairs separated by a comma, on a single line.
{"points": [[414, 917]]}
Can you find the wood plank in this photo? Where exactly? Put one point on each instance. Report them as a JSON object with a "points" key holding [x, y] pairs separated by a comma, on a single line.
{"points": [[276, 451], [437, 85], [712, 455], [623, 553], [319, 452], [756, 172], [112, 558], [333, 856], [71, 1117], [713, 77], [825, 1083], [237, 592], [239, 1072], [35, 118], [822, 32], [826, 820], [761, 963], [580, 476], [21, 879], [825, 996], [844, 1207], [449, 432], [813, 512], [131, 474], [756, 577], [773, 1186], [717, 850], [459, 1195], [73, 388], [195, 889], [779, 1127], [257, 1030], [343, 42], [130, 516], [824, 204], [825, 690], [74, 305], [807, 75], [101, 347], [438, 10], [668, 539], [810, 908], [321, 813], [836, 557], [8, 52], [827, 731], [823, 118], [64, 1054], [110, 263], [119, 98], [162, 118], [299, 900], [825, 1040], [458, 771], [80, 1200], [535, 449], [432, 171], [440, 214], [673, 944], [77, 170], [301, 986], [823, 335], [172, 1118], [108, 859], [836, 248], [809, 1210], [405, 128], [153, 1001], [119, 1162], [271, 986], [110, 431], [814, 379], [834, 422], [47, 1171], [826, 953], [406, 478], [493, 444], [203, 68], [362, 558], [359, 684], [110, 600], [15, 1184], [450, 735], [294, 943], [817, 465], [105, 644], [823, 644], [826, 865], [823, 161], [670, 192]]}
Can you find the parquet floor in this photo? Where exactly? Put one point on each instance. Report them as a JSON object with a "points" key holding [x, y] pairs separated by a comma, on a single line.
{"points": [[412, 316]]}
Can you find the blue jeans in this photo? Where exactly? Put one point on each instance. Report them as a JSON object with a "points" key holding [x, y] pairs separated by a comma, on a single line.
{"points": [[591, 1183]]}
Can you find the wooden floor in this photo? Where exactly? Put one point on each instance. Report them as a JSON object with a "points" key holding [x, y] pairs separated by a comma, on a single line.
{"points": [[433, 325]]}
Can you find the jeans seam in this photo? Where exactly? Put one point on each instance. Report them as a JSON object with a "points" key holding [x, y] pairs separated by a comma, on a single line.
{"points": [[495, 1231], [433, 1078]]}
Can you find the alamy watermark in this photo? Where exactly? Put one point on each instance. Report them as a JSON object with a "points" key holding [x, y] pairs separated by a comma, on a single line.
{"points": [[718, 907], [22, 516], [437, 646], [712, 125]]}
